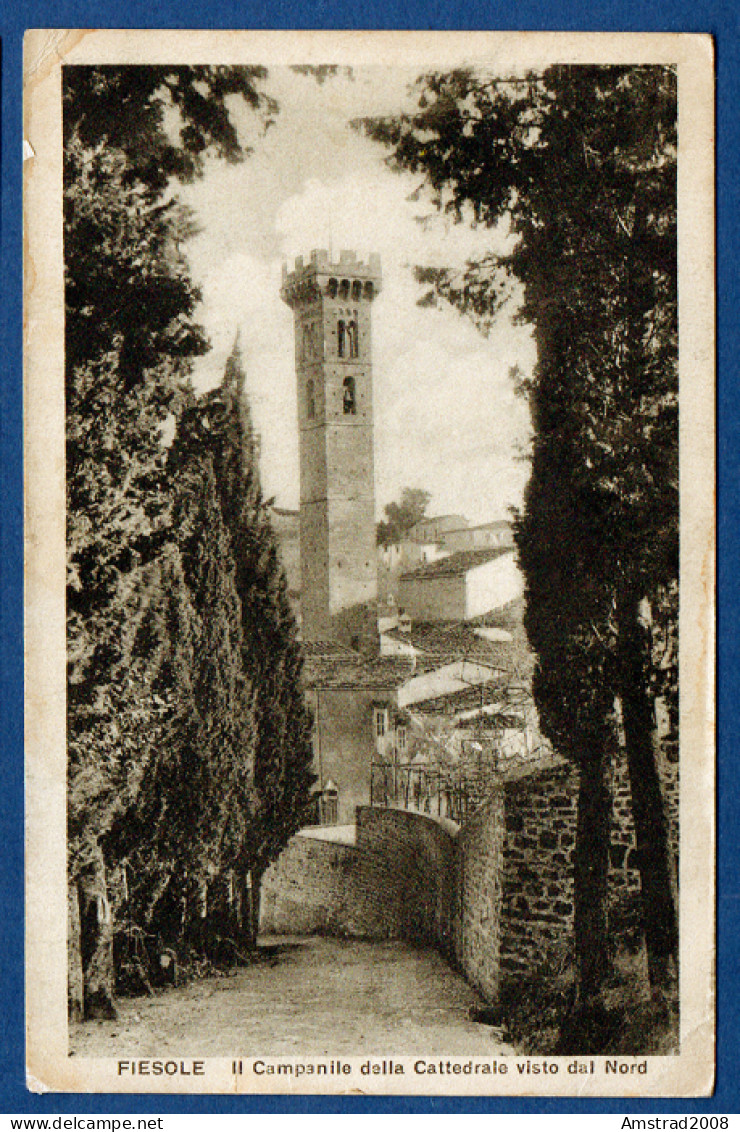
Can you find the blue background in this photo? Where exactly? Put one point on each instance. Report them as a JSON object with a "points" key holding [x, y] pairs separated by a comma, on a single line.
{"points": [[719, 18]]}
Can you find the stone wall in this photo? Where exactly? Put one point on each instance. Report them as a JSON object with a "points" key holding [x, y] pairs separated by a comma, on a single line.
{"points": [[480, 856], [418, 851], [397, 881], [497, 896], [624, 875], [540, 809], [537, 883], [314, 887]]}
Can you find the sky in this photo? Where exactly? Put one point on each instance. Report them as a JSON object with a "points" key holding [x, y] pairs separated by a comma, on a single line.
{"points": [[446, 415]]}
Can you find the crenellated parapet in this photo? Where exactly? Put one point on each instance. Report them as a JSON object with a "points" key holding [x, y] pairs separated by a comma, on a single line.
{"points": [[346, 280]]}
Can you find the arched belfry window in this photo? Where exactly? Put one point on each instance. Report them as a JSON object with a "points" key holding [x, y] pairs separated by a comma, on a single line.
{"points": [[310, 400], [341, 338], [357, 290], [349, 403], [352, 338]]}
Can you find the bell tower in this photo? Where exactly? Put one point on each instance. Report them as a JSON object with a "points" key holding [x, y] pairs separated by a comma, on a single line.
{"points": [[331, 309]]}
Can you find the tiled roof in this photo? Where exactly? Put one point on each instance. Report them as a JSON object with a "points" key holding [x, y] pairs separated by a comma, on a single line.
{"points": [[466, 699], [451, 640], [354, 671], [430, 519], [513, 656], [484, 722], [327, 648], [455, 564], [436, 643], [509, 616], [493, 525]]}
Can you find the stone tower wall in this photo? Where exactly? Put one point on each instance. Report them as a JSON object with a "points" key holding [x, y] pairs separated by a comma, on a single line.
{"points": [[338, 556]]}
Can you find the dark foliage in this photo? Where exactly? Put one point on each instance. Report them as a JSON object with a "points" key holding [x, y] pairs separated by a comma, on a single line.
{"points": [[272, 656], [401, 517], [160, 728], [577, 168]]}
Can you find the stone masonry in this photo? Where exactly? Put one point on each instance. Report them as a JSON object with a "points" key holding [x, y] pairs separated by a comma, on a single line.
{"points": [[495, 895], [537, 867], [396, 882], [478, 924], [331, 304]]}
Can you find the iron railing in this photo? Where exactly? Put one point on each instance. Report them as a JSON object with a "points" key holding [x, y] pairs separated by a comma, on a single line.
{"points": [[443, 791]]}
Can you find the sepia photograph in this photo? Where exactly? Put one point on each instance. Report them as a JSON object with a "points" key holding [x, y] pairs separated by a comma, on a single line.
{"points": [[369, 560]]}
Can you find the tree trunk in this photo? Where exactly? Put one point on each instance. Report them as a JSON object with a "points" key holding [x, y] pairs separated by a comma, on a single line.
{"points": [[246, 930], [96, 939], [659, 918], [254, 904], [75, 979], [590, 876]]}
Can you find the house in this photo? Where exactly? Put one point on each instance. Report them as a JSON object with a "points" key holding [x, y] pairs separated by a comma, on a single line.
{"points": [[432, 528], [399, 558], [498, 533], [452, 698], [430, 540], [495, 723], [470, 711], [438, 642], [460, 586], [467, 680], [354, 703]]}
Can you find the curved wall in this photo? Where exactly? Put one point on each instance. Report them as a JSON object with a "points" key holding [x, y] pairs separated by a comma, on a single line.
{"points": [[397, 881], [497, 895]]}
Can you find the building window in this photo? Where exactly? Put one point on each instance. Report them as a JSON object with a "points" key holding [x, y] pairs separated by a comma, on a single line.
{"points": [[352, 338], [341, 338], [401, 738], [380, 722], [349, 403], [357, 290], [310, 401]]}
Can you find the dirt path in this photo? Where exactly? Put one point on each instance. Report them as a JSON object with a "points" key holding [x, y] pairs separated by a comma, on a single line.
{"points": [[305, 996]]}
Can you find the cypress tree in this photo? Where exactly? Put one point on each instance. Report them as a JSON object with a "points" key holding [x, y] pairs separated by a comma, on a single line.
{"points": [[129, 341], [272, 655], [194, 806], [577, 164]]}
